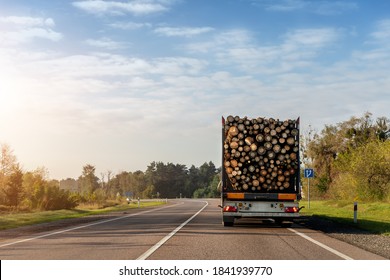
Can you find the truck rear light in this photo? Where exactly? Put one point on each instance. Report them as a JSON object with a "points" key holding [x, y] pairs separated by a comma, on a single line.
{"points": [[293, 209], [230, 208]]}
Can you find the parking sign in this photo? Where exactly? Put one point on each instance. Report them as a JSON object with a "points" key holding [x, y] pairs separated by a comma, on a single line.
{"points": [[309, 173]]}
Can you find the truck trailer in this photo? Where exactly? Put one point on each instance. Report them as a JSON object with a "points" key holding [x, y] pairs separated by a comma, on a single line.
{"points": [[260, 169]]}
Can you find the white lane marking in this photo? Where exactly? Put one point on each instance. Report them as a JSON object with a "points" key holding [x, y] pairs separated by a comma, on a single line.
{"points": [[341, 255], [88, 225], [145, 255]]}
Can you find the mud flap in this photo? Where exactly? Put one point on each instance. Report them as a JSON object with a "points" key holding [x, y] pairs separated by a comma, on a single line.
{"points": [[228, 221]]}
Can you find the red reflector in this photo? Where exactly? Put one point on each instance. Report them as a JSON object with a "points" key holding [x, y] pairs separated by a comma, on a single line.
{"points": [[229, 208], [291, 209]]}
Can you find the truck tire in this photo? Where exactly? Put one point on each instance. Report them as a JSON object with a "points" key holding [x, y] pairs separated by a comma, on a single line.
{"points": [[228, 224]]}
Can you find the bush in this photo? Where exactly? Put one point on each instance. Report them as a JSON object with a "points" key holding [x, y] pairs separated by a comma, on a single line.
{"points": [[366, 172], [57, 199]]}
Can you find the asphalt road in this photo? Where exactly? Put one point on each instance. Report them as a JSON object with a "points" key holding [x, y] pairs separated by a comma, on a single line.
{"points": [[183, 230]]}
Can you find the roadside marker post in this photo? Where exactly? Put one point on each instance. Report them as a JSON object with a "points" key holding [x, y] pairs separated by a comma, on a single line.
{"points": [[309, 173], [355, 207]]}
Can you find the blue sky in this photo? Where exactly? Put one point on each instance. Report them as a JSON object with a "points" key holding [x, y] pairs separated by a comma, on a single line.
{"points": [[119, 84]]}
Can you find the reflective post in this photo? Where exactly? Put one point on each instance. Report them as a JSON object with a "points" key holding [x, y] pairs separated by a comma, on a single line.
{"points": [[355, 204]]}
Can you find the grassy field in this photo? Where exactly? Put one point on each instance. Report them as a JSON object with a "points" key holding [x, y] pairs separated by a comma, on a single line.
{"points": [[374, 217], [14, 220]]}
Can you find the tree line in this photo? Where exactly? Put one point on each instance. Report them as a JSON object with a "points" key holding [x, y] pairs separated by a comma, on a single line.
{"points": [[159, 180], [32, 190], [351, 159]]}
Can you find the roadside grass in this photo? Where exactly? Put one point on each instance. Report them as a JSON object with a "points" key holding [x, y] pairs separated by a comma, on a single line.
{"points": [[371, 216], [14, 220]]}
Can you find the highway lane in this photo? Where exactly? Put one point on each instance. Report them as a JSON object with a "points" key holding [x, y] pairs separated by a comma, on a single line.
{"points": [[205, 238], [132, 235], [126, 236]]}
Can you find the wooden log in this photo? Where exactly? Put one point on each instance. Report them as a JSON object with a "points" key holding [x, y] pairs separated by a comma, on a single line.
{"points": [[261, 150], [268, 145], [253, 147], [294, 132], [233, 131], [293, 156], [271, 154], [234, 145], [249, 141], [252, 154], [241, 127], [290, 141], [259, 138], [230, 119]]}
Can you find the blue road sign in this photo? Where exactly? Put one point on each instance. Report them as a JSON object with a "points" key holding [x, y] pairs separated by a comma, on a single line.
{"points": [[309, 173]]}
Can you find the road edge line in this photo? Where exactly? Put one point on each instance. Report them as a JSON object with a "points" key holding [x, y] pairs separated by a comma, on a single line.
{"points": [[334, 251], [145, 255]]}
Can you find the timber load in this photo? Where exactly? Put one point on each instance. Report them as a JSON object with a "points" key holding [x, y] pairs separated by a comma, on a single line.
{"points": [[261, 154]]}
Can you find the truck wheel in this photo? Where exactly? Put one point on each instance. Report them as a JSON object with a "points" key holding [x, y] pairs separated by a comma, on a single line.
{"points": [[228, 224]]}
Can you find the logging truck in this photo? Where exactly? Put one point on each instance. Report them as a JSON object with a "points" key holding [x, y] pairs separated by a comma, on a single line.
{"points": [[260, 169]]}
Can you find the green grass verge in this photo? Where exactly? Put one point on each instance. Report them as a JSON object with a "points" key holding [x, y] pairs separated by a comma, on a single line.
{"points": [[15, 220], [372, 216]]}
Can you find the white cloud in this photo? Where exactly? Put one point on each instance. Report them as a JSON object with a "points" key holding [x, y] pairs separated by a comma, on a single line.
{"points": [[316, 7], [313, 37], [379, 43], [382, 32], [135, 7], [105, 43], [286, 5], [130, 25], [240, 49], [28, 21], [25, 29], [27, 35], [223, 40], [182, 31]]}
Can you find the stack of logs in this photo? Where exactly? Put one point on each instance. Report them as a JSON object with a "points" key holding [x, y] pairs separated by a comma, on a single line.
{"points": [[261, 154]]}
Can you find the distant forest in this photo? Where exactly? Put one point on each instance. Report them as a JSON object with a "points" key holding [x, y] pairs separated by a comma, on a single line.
{"points": [[160, 180], [32, 190]]}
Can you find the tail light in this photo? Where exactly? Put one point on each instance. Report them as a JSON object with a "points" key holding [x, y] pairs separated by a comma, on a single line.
{"points": [[229, 208], [293, 209]]}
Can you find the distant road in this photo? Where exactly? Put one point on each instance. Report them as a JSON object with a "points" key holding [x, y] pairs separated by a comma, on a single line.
{"points": [[183, 229]]}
